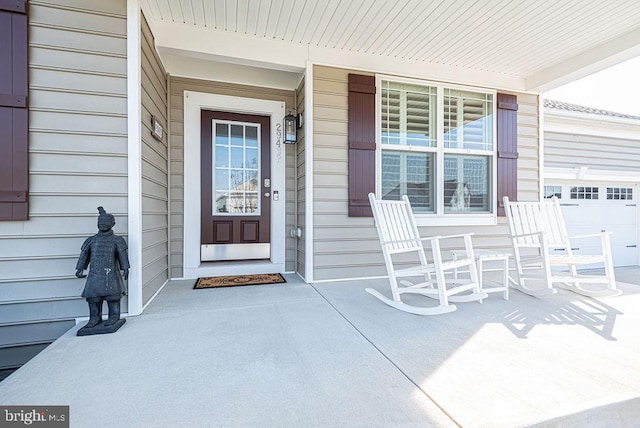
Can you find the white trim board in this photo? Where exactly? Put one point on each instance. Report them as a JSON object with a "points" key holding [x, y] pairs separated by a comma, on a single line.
{"points": [[197, 68], [586, 174], [134, 160], [308, 173], [568, 122], [194, 102]]}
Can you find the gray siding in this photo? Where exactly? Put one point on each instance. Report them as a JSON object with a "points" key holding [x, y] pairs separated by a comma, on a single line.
{"points": [[573, 150], [291, 218], [347, 247], [78, 161], [301, 183], [155, 171], [177, 87]]}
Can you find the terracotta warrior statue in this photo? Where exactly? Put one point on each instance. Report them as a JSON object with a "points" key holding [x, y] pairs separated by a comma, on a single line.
{"points": [[106, 255]]}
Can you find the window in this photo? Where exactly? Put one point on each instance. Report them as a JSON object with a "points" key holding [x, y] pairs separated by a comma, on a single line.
{"points": [[551, 191], [237, 168], [621, 193], [437, 147], [584, 193]]}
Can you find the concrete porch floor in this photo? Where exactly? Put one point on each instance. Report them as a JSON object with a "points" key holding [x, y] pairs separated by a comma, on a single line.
{"points": [[331, 355]]}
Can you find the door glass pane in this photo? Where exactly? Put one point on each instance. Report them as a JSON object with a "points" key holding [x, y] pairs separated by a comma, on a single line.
{"points": [[237, 157], [251, 158], [236, 176], [222, 157], [237, 135], [221, 202], [221, 135], [250, 180], [221, 179], [236, 179], [251, 136]]}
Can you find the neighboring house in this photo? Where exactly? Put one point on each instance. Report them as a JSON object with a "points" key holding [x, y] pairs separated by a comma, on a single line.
{"points": [[592, 164], [160, 110]]}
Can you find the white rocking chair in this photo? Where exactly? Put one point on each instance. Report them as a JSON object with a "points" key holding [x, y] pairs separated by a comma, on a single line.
{"points": [[541, 242], [398, 234]]}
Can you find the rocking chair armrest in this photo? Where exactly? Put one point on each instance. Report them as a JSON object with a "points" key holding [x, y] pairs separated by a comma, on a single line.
{"points": [[430, 238], [461, 235], [589, 235]]}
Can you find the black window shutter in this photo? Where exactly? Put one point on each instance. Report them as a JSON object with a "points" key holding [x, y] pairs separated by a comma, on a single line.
{"points": [[507, 134], [362, 143], [14, 168]]}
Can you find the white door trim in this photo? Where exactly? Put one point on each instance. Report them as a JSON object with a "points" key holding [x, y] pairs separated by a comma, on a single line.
{"points": [[194, 102]]}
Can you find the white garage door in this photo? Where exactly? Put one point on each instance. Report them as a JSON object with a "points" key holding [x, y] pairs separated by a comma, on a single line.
{"points": [[594, 208]]}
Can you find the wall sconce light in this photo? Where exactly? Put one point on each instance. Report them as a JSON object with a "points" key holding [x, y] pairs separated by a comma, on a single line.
{"points": [[290, 129]]}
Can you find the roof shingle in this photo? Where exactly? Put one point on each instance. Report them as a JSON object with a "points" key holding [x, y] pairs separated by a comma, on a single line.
{"points": [[561, 105]]}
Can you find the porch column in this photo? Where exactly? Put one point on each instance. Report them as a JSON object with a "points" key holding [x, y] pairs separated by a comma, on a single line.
{"points": [[134, 120]]}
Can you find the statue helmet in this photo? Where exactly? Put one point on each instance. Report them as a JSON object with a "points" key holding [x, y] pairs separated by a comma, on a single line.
{"points": [[105, 216]]}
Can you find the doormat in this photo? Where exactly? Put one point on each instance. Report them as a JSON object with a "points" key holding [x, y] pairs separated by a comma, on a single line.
{"points": [[232, 281]]}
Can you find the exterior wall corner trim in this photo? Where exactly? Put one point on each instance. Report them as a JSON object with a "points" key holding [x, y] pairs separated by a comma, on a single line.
{"points": [[134, 106]]}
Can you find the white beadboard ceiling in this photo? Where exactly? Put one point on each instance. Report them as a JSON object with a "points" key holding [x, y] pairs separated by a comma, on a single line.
{"points": [[537, 41]]}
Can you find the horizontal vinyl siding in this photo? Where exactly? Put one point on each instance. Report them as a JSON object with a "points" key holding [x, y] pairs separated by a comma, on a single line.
{"points": [[290, 207], [177, 87], [78, 161], [564, 150], [338, 252], [528, 148], [155, 171], [348, 247]]}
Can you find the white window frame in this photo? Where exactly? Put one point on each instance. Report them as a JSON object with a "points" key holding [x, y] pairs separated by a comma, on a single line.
{"points": [[440, 218]]}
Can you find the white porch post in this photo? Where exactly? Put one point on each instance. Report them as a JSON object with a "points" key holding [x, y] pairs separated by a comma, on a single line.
{"points": [[308, 172], [134, 120]]}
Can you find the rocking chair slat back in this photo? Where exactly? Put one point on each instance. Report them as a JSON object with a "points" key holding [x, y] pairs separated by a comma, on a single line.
{"points": [[396, 227], [528, 218], [540, 228]]}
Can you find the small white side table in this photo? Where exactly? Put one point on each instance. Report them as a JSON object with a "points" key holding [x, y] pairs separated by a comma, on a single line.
{"points": [[483, 256]]}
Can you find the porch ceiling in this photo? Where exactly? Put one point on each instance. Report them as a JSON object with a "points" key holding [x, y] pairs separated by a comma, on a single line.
{"points": [[526, 45]]}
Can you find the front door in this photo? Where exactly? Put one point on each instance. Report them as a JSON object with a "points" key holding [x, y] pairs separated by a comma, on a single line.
{"points": [[236, 186]]}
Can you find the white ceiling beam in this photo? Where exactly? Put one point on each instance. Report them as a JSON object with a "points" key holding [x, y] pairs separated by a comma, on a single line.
{"points": [[195, 68], [212, 45], [414, 69], [230, 47], [597, 59]]}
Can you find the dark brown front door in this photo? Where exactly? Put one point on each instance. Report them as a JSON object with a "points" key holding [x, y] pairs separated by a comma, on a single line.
{"points": [[236, 187]]}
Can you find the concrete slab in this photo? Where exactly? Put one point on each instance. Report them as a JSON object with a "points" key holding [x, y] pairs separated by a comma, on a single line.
{"points": [[225, 357], [565, 360], [331, 355]]}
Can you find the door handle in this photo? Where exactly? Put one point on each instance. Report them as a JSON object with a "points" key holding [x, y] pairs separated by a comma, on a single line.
{"points": [[266, 194]]}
